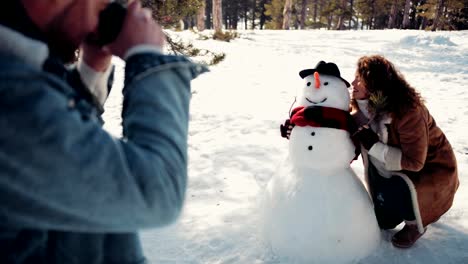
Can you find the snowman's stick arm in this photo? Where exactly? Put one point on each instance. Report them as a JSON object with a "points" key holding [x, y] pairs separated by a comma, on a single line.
{"points": [[290, 108]]}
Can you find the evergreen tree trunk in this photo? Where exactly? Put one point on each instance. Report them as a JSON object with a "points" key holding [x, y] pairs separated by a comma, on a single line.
{"points": [[227, 21], [341, 18], [414, 18], [303, 13], [201, 17], [245, 15], [419, 21], [235, 18], [217, 16], [188, 22], [315, 10], [393, 14], [406, 20], [208, 13], [444, 14], [254, 10], [295, 17], [372, 17], [262, 13], [287, 14], [339, 24], [424, 23], [438, 13], [329, 21]]}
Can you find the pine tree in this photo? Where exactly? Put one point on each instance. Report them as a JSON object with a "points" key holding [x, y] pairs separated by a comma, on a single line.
{"points": [[275, 11], [342, 13], [201, 17], [393, 14], [262, 15], [460, 16], [303, 13], [406, 20], [328, 11], [425, 12], [169, 12], [364, 12], [287, 13], [254, 13], [315, 8], [449, 15], [438, 13], [245, 12], [217, 16], [231, 13]]}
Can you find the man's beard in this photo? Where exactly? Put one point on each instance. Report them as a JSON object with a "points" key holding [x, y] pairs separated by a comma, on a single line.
{"points": [[66, 50], [60, 41]]}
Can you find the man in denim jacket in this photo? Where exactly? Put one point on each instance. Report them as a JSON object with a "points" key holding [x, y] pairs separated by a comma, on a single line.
{"points": [[69, 191]]}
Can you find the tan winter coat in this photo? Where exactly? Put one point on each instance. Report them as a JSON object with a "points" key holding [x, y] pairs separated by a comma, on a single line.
{"points": [[415, 148]]}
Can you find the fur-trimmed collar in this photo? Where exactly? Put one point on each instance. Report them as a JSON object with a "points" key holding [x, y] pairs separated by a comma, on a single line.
{"points": [[363, 104], [29, 51]]}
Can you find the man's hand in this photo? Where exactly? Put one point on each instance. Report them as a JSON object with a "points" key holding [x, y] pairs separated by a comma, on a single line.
{"points": [[96, 57], [139, 28], [367, 137], [286, 129]]}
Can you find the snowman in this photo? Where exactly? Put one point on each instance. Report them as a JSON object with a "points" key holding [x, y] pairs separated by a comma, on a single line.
{"points": [[317, 210]]}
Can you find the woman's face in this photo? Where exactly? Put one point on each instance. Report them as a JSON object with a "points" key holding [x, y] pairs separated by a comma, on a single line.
{"points": [[359, 89]]}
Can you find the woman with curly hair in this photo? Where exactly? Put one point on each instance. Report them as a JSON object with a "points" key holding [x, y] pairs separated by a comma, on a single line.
{"points": [[410, 167]]}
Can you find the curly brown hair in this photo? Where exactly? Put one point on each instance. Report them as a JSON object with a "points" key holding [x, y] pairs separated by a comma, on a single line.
{"points": [[382, 78]]}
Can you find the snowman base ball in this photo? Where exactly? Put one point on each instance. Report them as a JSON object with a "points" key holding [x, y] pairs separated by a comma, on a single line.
{"points": [[316, 209], [319, 217]]}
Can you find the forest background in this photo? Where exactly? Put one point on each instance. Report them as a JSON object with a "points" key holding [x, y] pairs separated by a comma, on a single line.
{"points": [[310, 14]]}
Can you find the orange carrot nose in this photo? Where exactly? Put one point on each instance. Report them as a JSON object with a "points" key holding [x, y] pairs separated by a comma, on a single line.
{"points": [[317, 80]]}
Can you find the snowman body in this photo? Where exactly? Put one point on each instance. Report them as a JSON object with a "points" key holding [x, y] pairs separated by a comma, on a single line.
{"points": [[317, 209], [320, 148]]}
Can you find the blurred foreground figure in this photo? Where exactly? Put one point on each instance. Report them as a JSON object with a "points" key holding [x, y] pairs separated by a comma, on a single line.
{"points": [[69, 191]]}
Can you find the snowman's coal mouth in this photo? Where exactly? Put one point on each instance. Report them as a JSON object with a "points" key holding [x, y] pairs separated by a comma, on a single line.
{"points": [[312, 102]]}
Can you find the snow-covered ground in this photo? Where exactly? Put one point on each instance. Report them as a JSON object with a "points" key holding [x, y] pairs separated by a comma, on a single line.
{"points": [[235, 146]]}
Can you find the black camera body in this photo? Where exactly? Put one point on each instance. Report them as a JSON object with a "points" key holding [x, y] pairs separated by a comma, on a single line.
{"points": [[110, 24]]}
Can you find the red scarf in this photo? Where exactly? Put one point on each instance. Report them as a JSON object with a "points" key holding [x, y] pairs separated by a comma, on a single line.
{"points": [[327, 117]]}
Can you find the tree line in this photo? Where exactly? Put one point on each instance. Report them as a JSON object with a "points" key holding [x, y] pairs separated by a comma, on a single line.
{"points": [[311, 14]]}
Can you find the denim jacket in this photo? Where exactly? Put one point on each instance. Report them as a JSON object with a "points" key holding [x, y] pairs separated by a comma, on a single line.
{"points": [[69, 191]]}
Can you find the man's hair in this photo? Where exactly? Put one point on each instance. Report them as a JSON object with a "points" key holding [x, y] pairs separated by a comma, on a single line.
{"points": [[381, 77]]}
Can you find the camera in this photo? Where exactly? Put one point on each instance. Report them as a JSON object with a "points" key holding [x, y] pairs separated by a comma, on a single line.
{"points": [[110, 24]]}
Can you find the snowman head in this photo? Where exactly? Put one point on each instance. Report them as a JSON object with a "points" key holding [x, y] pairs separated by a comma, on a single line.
{"points": [[323, 86]]}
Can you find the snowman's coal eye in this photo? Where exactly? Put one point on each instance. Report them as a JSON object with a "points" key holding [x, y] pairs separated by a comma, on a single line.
{"points": [[326, 83], [308, 84]]}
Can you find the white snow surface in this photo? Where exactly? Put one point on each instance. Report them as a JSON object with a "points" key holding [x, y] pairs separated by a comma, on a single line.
{"points": [[235, 145]]}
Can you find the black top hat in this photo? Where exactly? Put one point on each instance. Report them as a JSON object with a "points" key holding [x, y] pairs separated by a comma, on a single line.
{"points": [[329, 68]]}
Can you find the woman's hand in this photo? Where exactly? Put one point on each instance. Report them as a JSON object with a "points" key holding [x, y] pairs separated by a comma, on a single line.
{"points": [[367, 137]]}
